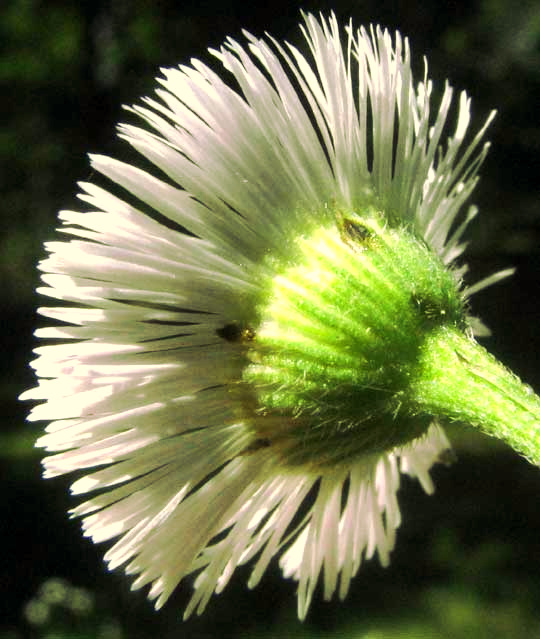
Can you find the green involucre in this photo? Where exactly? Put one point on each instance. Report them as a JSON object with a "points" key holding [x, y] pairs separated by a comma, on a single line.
{"points": [[340, 337], [362, 341]]}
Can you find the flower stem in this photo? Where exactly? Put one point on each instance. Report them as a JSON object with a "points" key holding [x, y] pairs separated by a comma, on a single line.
{"points": [[458, 380]]}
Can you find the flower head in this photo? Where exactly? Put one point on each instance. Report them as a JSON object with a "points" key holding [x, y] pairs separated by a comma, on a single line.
{"points": [[267, 330]]}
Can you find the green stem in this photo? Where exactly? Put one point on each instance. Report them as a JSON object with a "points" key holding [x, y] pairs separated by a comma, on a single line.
{"points": [[458, 380]]}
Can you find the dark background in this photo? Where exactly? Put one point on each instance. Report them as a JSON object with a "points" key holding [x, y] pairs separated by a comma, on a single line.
{"points": [[467, 561]]}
